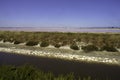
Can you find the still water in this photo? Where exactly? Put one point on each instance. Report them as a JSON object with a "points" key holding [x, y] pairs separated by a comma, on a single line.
{"points": [[59, 66], [61, 29]]}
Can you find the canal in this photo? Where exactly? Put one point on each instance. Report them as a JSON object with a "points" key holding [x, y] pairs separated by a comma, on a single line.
{"points": [[59, 66]]}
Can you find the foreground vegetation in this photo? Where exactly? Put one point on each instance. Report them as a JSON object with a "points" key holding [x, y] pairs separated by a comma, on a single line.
{"points": [[99, 41], [28, 72]]}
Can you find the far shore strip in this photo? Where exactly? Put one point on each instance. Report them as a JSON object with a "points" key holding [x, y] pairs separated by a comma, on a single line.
{"points": [[67, 56]]}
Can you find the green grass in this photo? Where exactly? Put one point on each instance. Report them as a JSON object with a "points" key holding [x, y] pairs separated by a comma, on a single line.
{"points": [[28, 72]]}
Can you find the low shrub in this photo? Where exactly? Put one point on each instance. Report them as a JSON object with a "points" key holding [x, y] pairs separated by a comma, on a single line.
{"points": [[57, 45], [74, 47], [1, 39], [7, 40], [44, 44], [4, 40], [32, 43], [17, 42], [109, 49], [90, 48]]}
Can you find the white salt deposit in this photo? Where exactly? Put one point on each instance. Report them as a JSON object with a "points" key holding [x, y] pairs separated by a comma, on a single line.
{"points": [[61, 55]]}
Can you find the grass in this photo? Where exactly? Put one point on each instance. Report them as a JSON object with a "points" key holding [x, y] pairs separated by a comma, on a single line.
{"points": [[28, 72]]}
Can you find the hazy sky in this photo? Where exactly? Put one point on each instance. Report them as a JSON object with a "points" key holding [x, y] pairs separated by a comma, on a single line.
{"points": [[59, 13]]}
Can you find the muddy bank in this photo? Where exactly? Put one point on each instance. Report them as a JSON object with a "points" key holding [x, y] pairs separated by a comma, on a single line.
{"points": [[98, 57]]}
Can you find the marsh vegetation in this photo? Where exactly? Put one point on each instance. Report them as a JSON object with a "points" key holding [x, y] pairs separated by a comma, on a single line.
{"points": [[28, 72], [87, 41]]}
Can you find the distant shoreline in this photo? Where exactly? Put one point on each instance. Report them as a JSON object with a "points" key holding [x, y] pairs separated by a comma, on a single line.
{"points": [[64, 29]]}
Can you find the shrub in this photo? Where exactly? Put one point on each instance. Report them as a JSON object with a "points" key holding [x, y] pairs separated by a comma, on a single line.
{"points": [[64, 42], [17, 42], [74, 47], [57, 45], [90, 48], [109, 49], [8, 40], [32, 43], [44, 44], [0, 39], [5, 40]]}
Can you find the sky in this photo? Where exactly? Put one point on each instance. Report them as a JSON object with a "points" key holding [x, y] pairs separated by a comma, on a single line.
{"points": [[59, 13]]}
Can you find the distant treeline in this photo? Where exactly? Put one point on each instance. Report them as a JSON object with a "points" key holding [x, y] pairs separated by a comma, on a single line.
{"points": [[61, 39]]}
